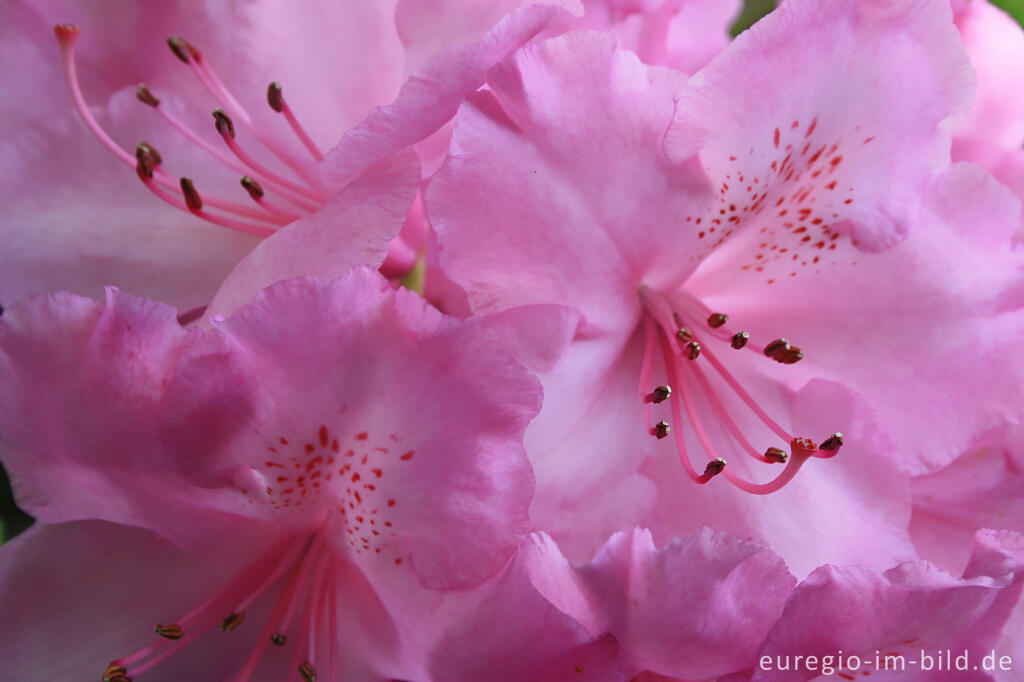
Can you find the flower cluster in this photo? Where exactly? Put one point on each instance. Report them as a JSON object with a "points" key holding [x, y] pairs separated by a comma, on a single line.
{"points": [[501, 340]]}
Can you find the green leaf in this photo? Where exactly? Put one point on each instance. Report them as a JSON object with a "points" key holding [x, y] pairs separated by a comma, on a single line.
{"points": [[1015, 8], [752, 11]]}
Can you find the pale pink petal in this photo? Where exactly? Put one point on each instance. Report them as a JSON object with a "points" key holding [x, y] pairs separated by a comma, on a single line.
{"points": [[906, 611], [85, 383], [697, 608], [983, 488], [432, 95], [353, 229], [577, 201]]}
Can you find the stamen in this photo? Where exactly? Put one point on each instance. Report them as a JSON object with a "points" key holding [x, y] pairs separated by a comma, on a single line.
{"points": [[739, 340], [169, 631], [776, 347], [143, 94], [278, 639], [179, 48], [307, 671], [684, 334], [232, 621], [830, 448], [723, 414], [661, 429], [238, 225], [275, 97], [226, 129], [192, 198], [671, 367], [659, 395], [716, 320], [116, 673], [714, 467], [693, 350], [776, 455]]}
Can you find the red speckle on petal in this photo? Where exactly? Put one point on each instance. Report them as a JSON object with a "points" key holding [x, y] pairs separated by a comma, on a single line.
{"points": [[323, 436], [362, 435], [778, 137], [407, 456]]}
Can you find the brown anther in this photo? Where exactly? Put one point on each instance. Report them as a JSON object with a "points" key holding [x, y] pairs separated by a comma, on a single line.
{"points": [[714, 467], [252, 187], [143, 94], [693, 350], [275, 98], [307, 671], [739, 339], [775, 347], [833, 442], [152, 155], [180, 48], [684, 334], [661, 429], [144, 167], [660, 394], [278, 639], [192, 198], [169, 631], [223, 123], [803, 445], [789, 356], [776, 455], [716, 320], [232, 621], [116, 673]]}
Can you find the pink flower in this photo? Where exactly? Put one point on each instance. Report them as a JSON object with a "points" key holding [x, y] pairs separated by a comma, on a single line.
{"points": [[317, 460], [675, 216], [80, 219], [697, 608]]}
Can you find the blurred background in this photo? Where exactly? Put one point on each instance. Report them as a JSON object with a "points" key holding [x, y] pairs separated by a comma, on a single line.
{"points": [[14, 521]]}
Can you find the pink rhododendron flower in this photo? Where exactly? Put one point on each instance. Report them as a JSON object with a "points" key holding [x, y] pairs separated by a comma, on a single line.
{"points": [[321, 456], [734, 211]]}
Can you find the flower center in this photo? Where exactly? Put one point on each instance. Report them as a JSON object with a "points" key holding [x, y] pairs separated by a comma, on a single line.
{"points": [[687, 337]]}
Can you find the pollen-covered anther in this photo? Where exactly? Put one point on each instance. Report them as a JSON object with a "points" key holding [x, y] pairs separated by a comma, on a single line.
{"points": [[169, 631], [116, 673], [775, 347], [307, 671], [684, 334], [143, 94], [693, 350], [659, 395], [278, 639], [833, 442], [232, 621], [180, 48], [803, 446], [776, 455], [739, 340], [789, 356], [254, 188], [716, 320], [225, 126], [661, 430], [714, 467], [192, 198], [275, 97], [144, 149]]}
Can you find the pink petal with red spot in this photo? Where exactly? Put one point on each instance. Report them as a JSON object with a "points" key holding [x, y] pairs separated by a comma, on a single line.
{"points": [[353, 399], [834, 108]]}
